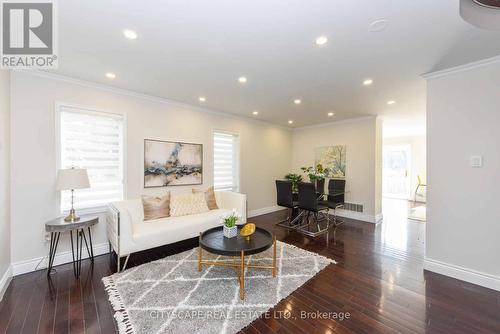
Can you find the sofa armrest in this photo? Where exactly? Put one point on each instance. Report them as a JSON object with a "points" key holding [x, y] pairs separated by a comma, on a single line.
{"points": [[230, 200], [119, 228]]}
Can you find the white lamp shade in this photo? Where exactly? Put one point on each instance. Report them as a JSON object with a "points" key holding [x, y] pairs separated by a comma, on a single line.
{"points": [[73, 178]]}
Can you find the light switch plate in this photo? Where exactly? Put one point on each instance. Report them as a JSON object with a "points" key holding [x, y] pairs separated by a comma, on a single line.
{"points": [[476, 161]]}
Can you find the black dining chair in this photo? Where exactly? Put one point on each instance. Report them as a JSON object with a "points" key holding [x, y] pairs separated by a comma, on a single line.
{"points": [[336, 198], [320, 187], [312, 207], [284, 196]]}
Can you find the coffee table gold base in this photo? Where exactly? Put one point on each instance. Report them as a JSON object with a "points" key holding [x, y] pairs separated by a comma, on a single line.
{"points": [[241, 266]]}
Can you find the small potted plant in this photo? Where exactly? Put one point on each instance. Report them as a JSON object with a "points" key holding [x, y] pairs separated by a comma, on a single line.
{"points": [[229, 224], [315, 174], [295, 179]]}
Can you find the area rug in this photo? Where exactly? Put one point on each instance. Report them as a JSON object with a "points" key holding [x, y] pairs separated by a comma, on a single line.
{"points": [[171, 296]]}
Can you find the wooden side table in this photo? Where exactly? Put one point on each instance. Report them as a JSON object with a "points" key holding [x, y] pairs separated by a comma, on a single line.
{"points": [[58, 226]]}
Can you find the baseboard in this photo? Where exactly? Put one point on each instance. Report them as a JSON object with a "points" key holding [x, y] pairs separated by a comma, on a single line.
{"points": [[5, 281], [341, 213], [464, 274], [27, 266], [374, 219], [264, 211]]}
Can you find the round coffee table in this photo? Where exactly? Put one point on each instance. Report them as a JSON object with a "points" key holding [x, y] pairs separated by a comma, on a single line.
{"points": [[213, 241]]}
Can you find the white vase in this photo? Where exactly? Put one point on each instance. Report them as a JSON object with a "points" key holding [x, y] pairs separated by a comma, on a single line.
{"points": [[230, 232]]}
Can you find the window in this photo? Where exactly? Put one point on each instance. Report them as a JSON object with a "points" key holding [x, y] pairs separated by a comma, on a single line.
{"points": [[226, 161], [94, 141]]}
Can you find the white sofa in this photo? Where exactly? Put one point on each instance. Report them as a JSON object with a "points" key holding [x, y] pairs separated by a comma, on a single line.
{"points": [[129, 233]]}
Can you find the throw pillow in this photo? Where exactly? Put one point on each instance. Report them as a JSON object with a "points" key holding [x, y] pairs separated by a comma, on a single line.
{"points": [[188, 204], [156, 207], [209, 198]]}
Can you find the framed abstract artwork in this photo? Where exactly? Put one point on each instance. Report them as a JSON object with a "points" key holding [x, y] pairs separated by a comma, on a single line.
{"points": [[333, 158], [169, 163]]}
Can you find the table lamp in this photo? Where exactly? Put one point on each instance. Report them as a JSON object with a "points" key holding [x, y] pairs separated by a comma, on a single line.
{"points": [[71, 179]]}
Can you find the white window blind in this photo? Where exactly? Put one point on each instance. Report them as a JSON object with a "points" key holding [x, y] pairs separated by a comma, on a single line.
{"points": [[226, 161], [94, 141]]}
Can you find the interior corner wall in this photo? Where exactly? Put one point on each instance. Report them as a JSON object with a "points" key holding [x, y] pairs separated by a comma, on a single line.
{"points": [[463, 215], [360, 137], [4, 180], [264, 153]]}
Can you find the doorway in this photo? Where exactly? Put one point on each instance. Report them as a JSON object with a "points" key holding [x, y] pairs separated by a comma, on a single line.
{"points": [[396, 171]]}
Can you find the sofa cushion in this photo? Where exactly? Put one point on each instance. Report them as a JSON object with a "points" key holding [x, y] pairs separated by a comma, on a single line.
{"points": [[188, 204], [156, 207], [158, 232], [209, 197]]}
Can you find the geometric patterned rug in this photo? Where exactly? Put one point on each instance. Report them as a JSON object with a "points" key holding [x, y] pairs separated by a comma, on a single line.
{"points": [[171, 296]]}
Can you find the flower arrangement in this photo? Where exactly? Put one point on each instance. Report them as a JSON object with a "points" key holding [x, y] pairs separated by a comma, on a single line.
{"points": [[295, 179], [314, 174], [229, 221]]}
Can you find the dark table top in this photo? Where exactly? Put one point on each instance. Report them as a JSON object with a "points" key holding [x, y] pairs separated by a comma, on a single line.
{"points": [[213, 241]]}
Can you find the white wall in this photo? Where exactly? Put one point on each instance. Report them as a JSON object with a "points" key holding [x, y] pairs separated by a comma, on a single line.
{"points": [[377, 171], [418, 159], [4, 180], [463, 228], [265, 151], [363, 172]]}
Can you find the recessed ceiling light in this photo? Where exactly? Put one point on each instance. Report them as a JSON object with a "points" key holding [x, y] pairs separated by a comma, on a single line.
{"points": [[242, 79], [130, 34], [255, 112], [481, 13], [297, 101], [368, 82], [110, 75], [290, 122], [379, 25], [493, 4], [331, 114], [202, 99], [321, 40], [391, 102]]}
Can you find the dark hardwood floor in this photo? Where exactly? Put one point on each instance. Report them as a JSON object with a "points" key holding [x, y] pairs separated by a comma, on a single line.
{"points": [[379, 280]]}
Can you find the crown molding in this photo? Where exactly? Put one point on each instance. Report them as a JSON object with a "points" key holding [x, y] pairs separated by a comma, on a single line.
{"points": [[334, 123], [460, 68], [151, 98]]}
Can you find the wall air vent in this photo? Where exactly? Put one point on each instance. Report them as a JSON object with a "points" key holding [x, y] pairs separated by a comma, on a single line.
{"points": [[353, 207]]}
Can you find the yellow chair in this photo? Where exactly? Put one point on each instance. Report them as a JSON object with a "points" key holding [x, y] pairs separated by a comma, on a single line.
{"points": [[419, 184]]}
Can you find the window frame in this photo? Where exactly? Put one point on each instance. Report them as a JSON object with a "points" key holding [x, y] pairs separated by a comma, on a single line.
{"points": [[88, 111], [237, 158]]}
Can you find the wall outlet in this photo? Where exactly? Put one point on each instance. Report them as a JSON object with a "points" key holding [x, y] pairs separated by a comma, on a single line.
{"points": [[476, 161], [47, 237]]}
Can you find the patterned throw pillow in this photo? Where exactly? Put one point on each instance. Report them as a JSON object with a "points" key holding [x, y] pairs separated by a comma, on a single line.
{"points": [[188, 204], [209, 197], [156, 207]]}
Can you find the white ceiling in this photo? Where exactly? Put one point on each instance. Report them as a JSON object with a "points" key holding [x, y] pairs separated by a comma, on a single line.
{"points": [[191, 48]]}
